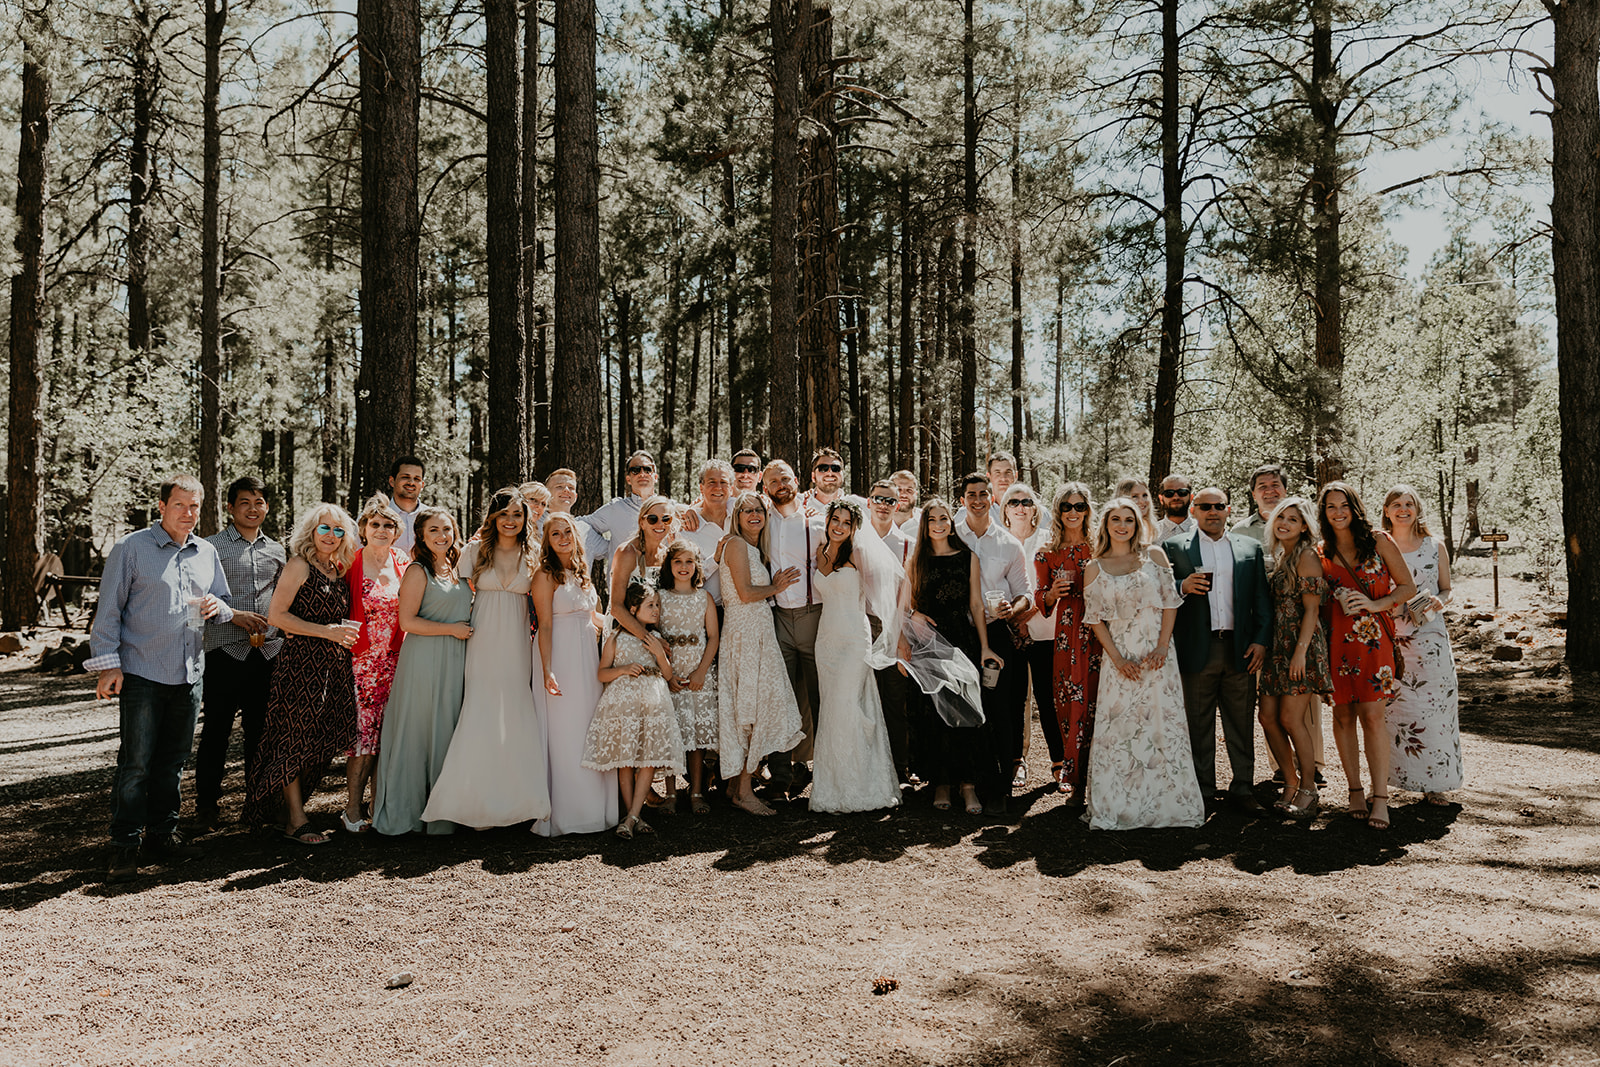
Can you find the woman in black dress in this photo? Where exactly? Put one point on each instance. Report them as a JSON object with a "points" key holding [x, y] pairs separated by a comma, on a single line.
{"points": [[311, 708], [943, 588]]}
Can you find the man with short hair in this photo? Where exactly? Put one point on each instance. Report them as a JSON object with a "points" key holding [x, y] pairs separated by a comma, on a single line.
{"points": [[240, 653], [1222, 633], [883, 499], [1003, 568], [1002, 471], [881, 503], [716, 485], [1266, 491], [159, 586], [1173, 506], [614, 522], [746, 471], [827, 480], [563, 485], [406, 476], [907, 513], [793, 537]]}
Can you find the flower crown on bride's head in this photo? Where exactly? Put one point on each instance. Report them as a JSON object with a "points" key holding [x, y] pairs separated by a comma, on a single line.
{"points": [[852, 507]]}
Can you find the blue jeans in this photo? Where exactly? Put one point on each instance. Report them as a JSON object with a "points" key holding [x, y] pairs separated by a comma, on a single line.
{"points": [[157, 731]]}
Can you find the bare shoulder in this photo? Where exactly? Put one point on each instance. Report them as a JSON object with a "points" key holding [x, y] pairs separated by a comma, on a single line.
{"points": [[1158, 556]]}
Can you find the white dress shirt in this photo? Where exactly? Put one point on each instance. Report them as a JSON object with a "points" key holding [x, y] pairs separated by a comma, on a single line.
{"points": [[1218, 555], [706, 539], [1000, 559], [1167, 528], [792, 542], [408, 534]]}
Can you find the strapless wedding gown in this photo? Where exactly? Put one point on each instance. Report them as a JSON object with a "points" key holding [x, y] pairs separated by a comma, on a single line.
{"points": [[853, 767]]}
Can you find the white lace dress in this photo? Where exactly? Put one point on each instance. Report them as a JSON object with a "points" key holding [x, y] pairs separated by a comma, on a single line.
{"points": [[1424, 716], [756, 710], [853, 768], [635, 724], [683, 625], [1141, 770]]}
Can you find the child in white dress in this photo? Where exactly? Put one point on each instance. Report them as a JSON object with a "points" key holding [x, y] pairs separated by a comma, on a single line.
{"points": [[689, 626]]}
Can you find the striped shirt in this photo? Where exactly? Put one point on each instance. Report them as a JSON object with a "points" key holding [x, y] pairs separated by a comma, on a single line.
{"points": [[252, 568], [141, 624]]}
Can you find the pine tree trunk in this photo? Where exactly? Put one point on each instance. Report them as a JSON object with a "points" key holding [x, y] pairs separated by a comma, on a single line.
{"points": [[140, 177], [211, 270], [389, 32], [535, 315], [788, 20], [17, 603], [1575, 209], [964, 451], [1174, 251], [627, 425], [1328, 346], [1017, 353], [819, 227], [508, 367], [575, 385], [730, 278], [904, 455], [669, 369]]}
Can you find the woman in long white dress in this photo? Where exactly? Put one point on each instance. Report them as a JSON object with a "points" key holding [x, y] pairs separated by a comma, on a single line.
{"points": [[568, 661], [756, 710], [852, 765], [1424, 716], [1141, 772], [496, 773]]}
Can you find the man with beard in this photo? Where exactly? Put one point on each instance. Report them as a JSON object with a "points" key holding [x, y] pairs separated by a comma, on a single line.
{"points": [[1173, 503], [793, 537]]}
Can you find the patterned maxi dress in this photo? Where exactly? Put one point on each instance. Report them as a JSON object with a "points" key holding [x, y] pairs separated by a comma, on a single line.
{"points": [[1423, 718], [756, 711], [311, 706], [374, 665], [1077, 660], [1359, 649], [683, 626]]}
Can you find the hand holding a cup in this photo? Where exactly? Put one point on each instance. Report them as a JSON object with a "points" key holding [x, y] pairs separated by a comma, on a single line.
{"points": [[1198, 583]]}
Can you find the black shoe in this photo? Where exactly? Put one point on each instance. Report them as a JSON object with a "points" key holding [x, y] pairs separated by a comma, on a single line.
{"points": [[124, 865], [1319, 779], [207, 817], [171, 847], [996, 806], [1277, 776], [1247, 804], [798, 780]]}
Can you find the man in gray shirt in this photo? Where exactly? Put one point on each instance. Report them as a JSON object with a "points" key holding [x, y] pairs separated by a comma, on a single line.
{"points": [[160, 585]]}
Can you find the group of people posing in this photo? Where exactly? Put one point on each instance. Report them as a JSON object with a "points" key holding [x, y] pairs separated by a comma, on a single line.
{"points": [[549, 668]]}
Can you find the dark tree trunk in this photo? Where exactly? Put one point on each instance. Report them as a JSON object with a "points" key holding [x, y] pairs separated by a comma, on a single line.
{"points": [[17, 603], [964, 452], [730, 225], [389, 33], [330, 423], [669, 369], [611, 409], [286, 470], [943, 343], [211, 270], [904, 455], [1325, 218], [508, 366], [1174, 251], [536, 317], [819, 228], [1056, 427], [783, 378], [926, 315], [1017, 426], [627, 419], [575, 386], [1575, 209], [693, 393], [140, 177]]}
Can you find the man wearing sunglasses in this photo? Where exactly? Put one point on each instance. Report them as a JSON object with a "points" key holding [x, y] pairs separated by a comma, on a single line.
{"points": [[1173, 506], [827, 480], [1222, 632], [882, 501], [746, 471]]}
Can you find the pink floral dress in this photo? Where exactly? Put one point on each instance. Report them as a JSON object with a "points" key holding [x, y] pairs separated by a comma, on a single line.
{"points": [[374, 666]]}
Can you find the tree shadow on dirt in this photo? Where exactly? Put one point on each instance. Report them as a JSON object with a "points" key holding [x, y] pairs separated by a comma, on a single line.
{"points": [[1550, 714], [1349, 1006]]}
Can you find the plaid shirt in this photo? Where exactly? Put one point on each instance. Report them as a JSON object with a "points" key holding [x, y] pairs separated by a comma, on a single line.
{"points": [[252, 568], [140, 625]]}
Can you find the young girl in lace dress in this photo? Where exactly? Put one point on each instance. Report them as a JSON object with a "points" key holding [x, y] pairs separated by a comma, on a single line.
{"points": [[689, 626], [635, 726]]}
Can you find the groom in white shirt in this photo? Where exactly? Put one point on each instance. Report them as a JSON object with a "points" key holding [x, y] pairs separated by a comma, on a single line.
{"points": [[792, 541]]}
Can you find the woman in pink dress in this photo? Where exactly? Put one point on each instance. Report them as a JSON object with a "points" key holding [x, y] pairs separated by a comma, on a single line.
{"points": [[375, 602]]}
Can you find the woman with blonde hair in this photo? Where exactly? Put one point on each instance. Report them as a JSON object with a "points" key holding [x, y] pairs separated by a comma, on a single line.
{"points": [[495, 773], [1424, 716], [1297, 666], [642, 555], [375, 599], [1138, 492], [1071, 657], [311, 707]]}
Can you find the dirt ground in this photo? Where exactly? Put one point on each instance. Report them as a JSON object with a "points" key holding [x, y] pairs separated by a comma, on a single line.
{"points": [[1466, 934]]}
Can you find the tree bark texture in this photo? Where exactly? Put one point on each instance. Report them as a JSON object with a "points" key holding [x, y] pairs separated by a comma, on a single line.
{"points": [[783, 376], [1017, 352], [964, 453], [145, 77], [1575, 214], [1175, 254], [211, 271], [17, 603], [1328, 345], [819, 236], [508, 361], [535, 316], [389, 32], [904, 458]]}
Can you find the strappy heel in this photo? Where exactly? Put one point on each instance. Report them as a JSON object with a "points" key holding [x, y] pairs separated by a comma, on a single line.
{"points": [[1358, 815], [1374, 821]]}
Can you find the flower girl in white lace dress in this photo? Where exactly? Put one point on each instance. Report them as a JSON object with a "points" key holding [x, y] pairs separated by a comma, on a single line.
{"points": [[635, 726]]}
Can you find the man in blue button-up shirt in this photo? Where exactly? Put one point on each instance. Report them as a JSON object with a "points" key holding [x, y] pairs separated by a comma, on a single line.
{"points": [[159, 587]]}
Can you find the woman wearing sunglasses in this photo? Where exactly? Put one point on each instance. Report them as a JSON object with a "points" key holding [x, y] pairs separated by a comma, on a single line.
{"points": [[642, 556], [1070, 657], [311, 708]]}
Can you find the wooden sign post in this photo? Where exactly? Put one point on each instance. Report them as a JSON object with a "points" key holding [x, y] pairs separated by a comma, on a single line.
{"points": [[1495, 540]]}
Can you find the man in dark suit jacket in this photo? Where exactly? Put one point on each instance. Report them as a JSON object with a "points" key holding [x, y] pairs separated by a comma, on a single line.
{"points": [[1222, 633]]}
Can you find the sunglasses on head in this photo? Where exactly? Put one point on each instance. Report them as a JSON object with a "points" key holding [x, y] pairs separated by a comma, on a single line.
{"points": [[1068, 505], [1211, 507], [890, 501], [323, 529], [834, 467], [1174, 492], [1021, 503], [656, 520], [642, 469], [747, 468]]}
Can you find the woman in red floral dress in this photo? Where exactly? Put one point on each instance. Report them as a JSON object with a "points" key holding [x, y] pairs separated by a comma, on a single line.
{"points": [[1367, 577], [375, 597], [1059, 568]]}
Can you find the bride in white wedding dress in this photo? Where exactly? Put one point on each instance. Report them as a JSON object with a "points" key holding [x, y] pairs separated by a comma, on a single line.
{"points": [[853, 768]]}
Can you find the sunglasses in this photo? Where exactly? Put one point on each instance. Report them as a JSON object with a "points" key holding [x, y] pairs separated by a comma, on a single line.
{"points": [[1021, 504], [1067, 505], [646, 469], [1211, 507], [1175, 492], [656, 520], [323, 529], [834, 467], [890, 501], [374, 526], [752, 511], [747, 468]]}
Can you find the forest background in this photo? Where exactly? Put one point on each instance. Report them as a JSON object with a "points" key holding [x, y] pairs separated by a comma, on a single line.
{"points": [[1112, 237]]}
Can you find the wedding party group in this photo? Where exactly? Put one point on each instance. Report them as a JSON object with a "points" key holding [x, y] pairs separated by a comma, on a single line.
{"points": [[762, 642]]}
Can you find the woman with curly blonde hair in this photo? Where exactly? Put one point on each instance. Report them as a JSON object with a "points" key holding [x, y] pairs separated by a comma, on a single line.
{"points": [[311, 708]]}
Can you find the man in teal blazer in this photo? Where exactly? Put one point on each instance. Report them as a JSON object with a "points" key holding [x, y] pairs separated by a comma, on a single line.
{"points": [[1222, 633]]}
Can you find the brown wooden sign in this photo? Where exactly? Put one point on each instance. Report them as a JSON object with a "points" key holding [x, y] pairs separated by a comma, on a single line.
{"points": [[1494, 538]]}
